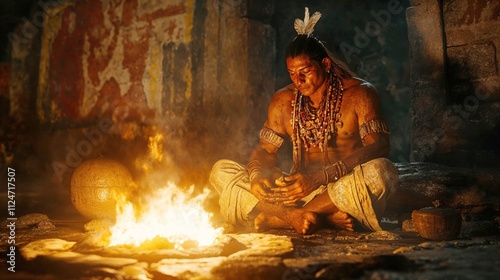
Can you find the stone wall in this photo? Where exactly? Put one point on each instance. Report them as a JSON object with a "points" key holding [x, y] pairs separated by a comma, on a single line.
{"points": [[164, 87], [455, 81]]}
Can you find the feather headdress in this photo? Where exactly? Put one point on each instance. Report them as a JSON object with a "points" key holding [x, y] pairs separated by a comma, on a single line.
{"points": [[306, 26]]}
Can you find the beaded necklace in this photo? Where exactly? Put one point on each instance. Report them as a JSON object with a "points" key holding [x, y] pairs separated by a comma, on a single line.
{"points": [[315, 126]]}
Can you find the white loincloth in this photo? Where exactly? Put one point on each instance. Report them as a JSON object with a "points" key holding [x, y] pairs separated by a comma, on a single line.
{"points": [[363, 193]]}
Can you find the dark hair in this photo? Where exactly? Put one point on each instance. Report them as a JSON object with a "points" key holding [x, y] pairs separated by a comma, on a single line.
{"points": [[310, 45], [306, 45]]}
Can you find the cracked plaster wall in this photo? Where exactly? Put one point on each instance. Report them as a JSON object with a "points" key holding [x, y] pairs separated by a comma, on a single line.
{"points": [[98, 54], [102, 77]]}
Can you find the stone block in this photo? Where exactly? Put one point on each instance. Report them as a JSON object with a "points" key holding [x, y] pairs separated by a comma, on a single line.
{"points": [[4, 79], [481, 129], [261, 10], [471, 12], [456, 187], [421, 2], [24, 50], [261, 70], [471, 34], [471, 62], [485, 90], [426, 41], [427, 67], [238, 73], [468, 136], [233, 65], [496, 43], [470, 21]]}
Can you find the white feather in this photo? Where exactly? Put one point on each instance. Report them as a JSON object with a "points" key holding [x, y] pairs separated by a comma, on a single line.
{"points": [[312, 22], [306, 16], [306, 26], [299, 26]]}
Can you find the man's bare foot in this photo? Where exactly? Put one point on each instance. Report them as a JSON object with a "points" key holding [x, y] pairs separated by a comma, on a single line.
{"points": [[341, 220], [265, 221], [302, 222]]}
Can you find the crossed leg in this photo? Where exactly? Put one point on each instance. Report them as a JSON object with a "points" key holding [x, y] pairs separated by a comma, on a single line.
{"points": [[304, 220]]}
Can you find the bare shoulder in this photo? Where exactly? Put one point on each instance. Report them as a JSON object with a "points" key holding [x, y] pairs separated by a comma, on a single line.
{"points": [[280, 109], [285, 94], [281, 101], [359, 88], [364, 96]]}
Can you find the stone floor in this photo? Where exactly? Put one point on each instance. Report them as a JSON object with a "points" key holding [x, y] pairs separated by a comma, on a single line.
{"points": [[53, 253], [55, 248]]}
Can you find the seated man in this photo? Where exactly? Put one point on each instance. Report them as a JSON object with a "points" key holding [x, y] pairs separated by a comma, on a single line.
{"points": [[339, 142]]}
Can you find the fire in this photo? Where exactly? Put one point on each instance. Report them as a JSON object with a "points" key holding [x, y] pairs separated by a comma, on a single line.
{"points": [[155, 151], [168, 213], [156, 147]]}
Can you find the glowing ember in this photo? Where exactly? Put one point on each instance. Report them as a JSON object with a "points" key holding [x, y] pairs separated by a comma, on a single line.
{"points": [[169, 213]]}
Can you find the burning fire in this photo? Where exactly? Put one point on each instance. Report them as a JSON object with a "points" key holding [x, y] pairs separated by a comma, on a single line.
{"points": [[168, 213], [156, 147], [155, 154]]}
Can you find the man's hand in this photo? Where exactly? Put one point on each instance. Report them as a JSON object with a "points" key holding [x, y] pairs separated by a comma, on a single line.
{"points": [[261, 188], [291, 188]]}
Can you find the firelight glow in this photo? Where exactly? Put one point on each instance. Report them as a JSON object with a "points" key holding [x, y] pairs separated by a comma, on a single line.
{"points": [[169, 213]]}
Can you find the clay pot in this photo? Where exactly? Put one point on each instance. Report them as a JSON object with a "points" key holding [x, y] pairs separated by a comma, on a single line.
{"points": [[437, 223], [94, 185]]}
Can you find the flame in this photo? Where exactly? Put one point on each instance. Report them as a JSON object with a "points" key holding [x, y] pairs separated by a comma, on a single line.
{"points": [[169, 213], [155, 151], [155, 145]]}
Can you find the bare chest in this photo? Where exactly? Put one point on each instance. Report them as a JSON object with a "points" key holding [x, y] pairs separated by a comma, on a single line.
{"points": [[346, 124]]}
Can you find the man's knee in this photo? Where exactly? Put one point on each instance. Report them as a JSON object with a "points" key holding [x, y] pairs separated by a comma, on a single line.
{"points": [[224, 171], [216, 174], [381, 177], [218, 167]]}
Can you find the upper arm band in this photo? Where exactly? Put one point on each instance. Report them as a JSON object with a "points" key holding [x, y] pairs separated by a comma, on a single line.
{"points": [[373, 126], [271, 137]]}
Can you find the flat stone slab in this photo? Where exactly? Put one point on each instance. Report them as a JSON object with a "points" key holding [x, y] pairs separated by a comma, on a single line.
{"points": [[276, 254], [72, 259]]}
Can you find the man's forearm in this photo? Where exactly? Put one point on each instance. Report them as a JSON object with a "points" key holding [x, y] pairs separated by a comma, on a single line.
{"points": [[367, 153], [261, 159], [265, 157]]}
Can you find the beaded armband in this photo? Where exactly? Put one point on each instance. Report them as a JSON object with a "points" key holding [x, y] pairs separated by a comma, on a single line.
{"points": [[373, 126], [271, 137]]}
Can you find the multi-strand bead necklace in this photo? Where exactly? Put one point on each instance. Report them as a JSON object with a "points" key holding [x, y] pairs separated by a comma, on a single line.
{"points": [[315, 126]]}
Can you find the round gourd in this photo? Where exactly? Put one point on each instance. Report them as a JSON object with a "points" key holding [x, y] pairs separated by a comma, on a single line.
{"points": [[437, 223], [94, 184]]}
